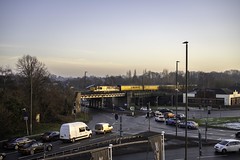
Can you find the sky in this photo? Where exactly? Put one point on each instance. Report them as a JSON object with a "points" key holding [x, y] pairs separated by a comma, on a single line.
{"points": [[111, 37]]}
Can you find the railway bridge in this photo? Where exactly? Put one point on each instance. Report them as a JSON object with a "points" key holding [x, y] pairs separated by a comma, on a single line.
{"points": [[123, 99]]}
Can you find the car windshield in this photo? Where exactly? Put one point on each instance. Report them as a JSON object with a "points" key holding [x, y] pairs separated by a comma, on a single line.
{"points": [[47, 133], [28, 145], [98, 127], [12, 140], [223, 142]]}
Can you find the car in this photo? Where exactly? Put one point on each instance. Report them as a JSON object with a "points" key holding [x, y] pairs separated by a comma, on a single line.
{"points": [[103, 128], [190, 125], [150, 114], [165, 110], [237, 134], [34, 147], [14, 143], [227, 145], [50, 136], [2, 156], [145, 109], [157, 113], [172, 121], [160, 118], [119, 108], [168, 115], [180, 116]]}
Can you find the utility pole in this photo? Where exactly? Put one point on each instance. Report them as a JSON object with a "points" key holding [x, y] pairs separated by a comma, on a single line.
{"points": [[186, 99], [176, 93]]}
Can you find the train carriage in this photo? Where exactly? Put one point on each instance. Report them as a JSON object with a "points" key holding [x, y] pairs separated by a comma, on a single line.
{"points": [[131, 88]]}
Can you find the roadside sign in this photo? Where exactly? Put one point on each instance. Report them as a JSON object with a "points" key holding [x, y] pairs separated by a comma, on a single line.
{"points": [[132, 108]]}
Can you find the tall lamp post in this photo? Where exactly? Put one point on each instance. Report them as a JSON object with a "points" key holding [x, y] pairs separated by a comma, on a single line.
{"points": [[85, 79], [31, 101], [176, 92], [186, 99]]}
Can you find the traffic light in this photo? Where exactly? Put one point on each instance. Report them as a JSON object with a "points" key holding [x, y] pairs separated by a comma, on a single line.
{"points": [[116, 117], [209, 111]]}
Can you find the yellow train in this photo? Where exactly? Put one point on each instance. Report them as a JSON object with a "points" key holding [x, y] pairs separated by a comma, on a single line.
{"points": [[124, 88]]}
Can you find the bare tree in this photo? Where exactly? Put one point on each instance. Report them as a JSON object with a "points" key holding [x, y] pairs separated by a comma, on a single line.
{"points": [[35, 74]]}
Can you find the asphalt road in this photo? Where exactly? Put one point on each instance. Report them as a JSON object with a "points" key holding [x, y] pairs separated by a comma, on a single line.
{"points": [[134, 125], [178, 154]]}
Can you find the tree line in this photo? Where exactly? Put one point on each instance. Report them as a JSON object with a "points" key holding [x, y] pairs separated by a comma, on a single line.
{"points": [[37, 91]]}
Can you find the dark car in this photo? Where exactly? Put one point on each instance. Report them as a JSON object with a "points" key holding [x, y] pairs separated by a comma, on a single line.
{"points": [[119, 108], [180, 116], [237, 134], [2, 156], [34, 147], [50, 136], [172, 121], [165, 110], [190, 125], [150, 114], [14, 143]]}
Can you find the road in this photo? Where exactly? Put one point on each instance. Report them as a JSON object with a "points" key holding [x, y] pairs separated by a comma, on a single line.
{"points": [[178, 154], [134, 125]]}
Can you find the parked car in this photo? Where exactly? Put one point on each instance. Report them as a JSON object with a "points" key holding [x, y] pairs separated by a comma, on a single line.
{"points": [[168, 115], [145, 109], [50, 136], [190, 125], [119, 108], [180, 116], [14, 143], [2, 156], [34, 147], [157, 113], [150, 114], [227, 145], [172, 121], [160, 118], [103, 128], [165, 110], [237, 134]]}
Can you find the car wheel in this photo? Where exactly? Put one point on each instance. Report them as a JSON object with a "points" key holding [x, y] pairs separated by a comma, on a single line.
{"points": [[73, 140], [238, 135], [49, 148], [224, 151], [90, 135], [32, 152], [16, 147]]}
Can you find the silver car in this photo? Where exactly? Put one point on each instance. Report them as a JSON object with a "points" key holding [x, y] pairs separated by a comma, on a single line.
{"points": [[228, 145]]}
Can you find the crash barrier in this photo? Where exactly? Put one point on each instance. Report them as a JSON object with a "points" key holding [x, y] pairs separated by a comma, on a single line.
{"points": [[120, 143], [117, 142]]}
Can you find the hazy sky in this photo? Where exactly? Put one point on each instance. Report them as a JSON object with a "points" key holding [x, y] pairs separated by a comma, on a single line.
{"points": [[110, 37]]}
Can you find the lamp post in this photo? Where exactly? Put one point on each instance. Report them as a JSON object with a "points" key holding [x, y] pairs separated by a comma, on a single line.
{"points": [[186, 99], [176, 92], [31, 101], [85, 79]]}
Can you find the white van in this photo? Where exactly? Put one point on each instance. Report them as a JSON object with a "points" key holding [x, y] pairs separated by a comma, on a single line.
{"points": [[103, 128], [74, 131]]}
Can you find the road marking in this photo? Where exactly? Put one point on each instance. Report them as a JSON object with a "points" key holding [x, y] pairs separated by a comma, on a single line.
{"points": [[211, 156], [78, 143]]}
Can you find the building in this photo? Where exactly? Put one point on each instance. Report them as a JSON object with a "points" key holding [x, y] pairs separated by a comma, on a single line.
{"points": [[213, 97]]}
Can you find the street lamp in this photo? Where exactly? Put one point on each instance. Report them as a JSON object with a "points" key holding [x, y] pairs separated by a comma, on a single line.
{"points": [[31, 101], [186, 99], [85, 79], [176, 92]]}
